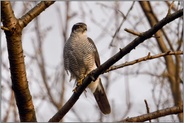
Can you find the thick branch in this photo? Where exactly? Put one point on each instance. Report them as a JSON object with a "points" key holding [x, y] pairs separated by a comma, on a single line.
{"points": [[28, 17], [156, 114], [17, 65], [101, 69]]}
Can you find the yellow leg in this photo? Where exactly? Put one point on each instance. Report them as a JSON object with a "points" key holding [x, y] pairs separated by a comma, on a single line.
{"points": [[79, 82], [75, 89]]}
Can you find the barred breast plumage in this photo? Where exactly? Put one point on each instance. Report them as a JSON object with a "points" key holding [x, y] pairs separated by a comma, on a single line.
{"points": [[80, 58], [79, 55]]}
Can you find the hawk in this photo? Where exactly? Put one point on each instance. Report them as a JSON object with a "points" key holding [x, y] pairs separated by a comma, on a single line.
{"points": [[80, 58]]}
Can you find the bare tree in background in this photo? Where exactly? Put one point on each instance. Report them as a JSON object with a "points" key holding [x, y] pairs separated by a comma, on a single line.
{"points": [[38, 88]]}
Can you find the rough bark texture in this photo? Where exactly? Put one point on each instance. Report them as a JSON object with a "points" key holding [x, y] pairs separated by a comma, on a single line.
{"points": [[17, 66], [13, 30], [170, 64]]}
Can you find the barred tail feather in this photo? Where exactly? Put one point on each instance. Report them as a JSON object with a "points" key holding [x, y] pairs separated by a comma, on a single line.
{"points": [[101, 99]]}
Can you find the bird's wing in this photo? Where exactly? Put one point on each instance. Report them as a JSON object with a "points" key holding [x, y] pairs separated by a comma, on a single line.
{"points": [[99, 93], [97, 58]]}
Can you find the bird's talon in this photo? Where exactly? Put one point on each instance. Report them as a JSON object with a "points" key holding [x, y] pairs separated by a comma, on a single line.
{"points": [[75, 90], [79, 82]]}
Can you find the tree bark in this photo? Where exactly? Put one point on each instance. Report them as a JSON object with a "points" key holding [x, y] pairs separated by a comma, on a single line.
{"points": [[13, 30], [17, 65], [170, 65]]}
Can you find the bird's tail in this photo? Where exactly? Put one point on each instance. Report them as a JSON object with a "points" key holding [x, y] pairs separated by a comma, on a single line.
{"points": [[101, 99]]}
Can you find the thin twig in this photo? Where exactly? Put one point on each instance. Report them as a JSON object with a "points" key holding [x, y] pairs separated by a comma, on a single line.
{"points": [[133, 32], [124, 18], [137, 33], [148, 57], [170, 7], [147, 109], [173, 7]]}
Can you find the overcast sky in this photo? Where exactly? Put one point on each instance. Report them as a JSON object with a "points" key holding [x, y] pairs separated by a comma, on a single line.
{"points": [[140, 86]]}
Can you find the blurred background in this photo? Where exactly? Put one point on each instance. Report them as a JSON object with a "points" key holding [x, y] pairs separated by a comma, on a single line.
{"points": [[43, 40]]}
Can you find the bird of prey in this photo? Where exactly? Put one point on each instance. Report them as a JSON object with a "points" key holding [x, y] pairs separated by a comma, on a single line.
{"points": [[80, 58]]}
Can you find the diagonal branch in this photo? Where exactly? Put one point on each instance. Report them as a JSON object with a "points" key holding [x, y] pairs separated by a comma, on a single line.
{"points": [[101, 69], [124, 18], [148, 57], [28, 17], [156, 114]]}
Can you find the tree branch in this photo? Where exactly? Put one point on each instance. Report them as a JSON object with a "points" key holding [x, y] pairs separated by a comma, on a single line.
{"points": [[148, 57], [28, 17], [147, 108], [136, 33], [101, 69], [156, 114], [124, 18], [17, 64], [170, 62], [13, 31]]}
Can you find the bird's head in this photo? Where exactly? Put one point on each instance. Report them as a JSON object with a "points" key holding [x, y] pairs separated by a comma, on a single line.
{"points": [[79, 28]]}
